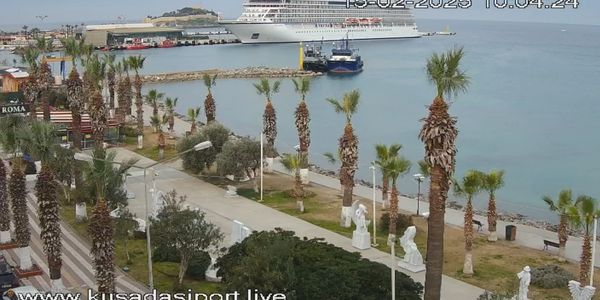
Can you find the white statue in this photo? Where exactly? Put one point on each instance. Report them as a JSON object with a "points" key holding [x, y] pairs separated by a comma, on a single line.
{"points": [[359, 218], [579, 292], [361, 238], [412, 255], [524, 280]]}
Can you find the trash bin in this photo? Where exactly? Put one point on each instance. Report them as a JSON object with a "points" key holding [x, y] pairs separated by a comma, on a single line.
{"points": [[511, 232]]}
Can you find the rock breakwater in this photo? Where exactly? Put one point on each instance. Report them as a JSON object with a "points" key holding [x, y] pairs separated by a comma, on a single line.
{"points": [[249, 72]]}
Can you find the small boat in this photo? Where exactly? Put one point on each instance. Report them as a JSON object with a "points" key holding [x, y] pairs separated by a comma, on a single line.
{"points": [[313, 59], [136, 47], [167, 44], [344, 60], [445, 32]]}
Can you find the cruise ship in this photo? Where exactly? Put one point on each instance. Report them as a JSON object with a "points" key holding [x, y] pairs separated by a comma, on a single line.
{"points": [[287, 21]]}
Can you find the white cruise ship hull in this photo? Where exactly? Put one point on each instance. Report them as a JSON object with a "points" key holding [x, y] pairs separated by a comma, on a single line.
{"points": [[257, 33]]}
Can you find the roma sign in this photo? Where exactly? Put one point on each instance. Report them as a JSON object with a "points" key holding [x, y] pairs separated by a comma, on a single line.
{"points": [[14, 109]]}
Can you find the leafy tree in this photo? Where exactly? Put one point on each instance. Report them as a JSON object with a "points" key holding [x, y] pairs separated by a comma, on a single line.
{"points": [[471, 185], [184, 229], [582, 215], [193, 161], [101, 230], [125, 225], [561, 207], [491, 182], [438, 134], [264, 87], [302, 115], [240, 158], [210, 108], [218, 135]]}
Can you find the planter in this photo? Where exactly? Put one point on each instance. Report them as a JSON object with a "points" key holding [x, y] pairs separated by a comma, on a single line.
{"points": [[25, 263], [81, 212], [304, 176], [4, 237], [268, 167], [140, 144]]}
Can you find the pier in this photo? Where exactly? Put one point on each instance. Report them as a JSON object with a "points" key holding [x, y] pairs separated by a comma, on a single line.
{"points": [[250, 72]]}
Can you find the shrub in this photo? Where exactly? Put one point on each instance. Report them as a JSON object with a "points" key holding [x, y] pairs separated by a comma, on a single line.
{"points": [[165, 254], [487, 295], [128, 131], [198, 265], [404, 221], [217, 134], [193, 161], [550, 276]]}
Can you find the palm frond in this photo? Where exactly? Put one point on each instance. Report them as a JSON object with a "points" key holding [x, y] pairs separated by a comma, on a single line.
{"points": [[290, 162], [330, 158]]}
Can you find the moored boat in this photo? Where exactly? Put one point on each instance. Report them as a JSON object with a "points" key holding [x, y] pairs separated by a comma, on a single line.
{"points": [[344, 60]]}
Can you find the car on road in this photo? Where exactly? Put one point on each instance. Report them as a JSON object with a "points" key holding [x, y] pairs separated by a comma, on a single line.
{"points": [[8, 279], [13, 294]]}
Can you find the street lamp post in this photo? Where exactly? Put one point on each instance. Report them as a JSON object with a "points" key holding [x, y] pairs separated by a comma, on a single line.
{"points": [[393, 252], [419, 178], [593, 252], [201, 146], [372, 167]]}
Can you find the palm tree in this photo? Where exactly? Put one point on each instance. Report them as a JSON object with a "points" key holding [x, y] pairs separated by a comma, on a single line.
{"points": [[158, 123], [582, 215], [470, 187], [491, 182], [122, 94], [39, 139], [265, 88], [424, 168], [126, 88], [170, 105], [4, 207], [302, 115], [348, 149], [153, 98], [94, 73], [109, 61], [210, 108], [44, 77], [137, 63], [193, 114], [31, 89], [292, 164], [439, 135], [561, 207], [383, 154], [101, 230], [394, 167], [18, 192]]}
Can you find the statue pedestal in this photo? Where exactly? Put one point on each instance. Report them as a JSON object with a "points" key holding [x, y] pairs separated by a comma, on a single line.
{"points": [[211, 275], [412, 268], [361, 240]]}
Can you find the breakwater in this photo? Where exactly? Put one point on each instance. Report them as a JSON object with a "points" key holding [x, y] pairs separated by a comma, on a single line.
{"points": [[250, 72]]}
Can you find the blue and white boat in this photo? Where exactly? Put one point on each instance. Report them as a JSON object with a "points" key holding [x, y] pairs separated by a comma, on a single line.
{"points": [[344, 60]]}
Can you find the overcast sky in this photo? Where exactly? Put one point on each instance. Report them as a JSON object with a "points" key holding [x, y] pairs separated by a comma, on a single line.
{"points": [[24, 12]]}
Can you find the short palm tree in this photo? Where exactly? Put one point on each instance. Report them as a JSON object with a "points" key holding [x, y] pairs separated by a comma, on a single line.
{"points": [[394, 167], [193, 114], [491, 182], [348, 149], [4, 207], [384, 153], [582, 215], [31, 89], [561, 207], [18, 192], [158, 122], [265, 88], [170, 105], [153, 98], [111, 80], [438, 134], [101, 230], [469, 187], [210, 108], [302, 115], [137, 63], [292, 164]]}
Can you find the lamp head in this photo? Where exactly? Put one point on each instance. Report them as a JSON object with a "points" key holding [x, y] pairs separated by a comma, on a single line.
{"points": [[82, 157], [203, 145]]}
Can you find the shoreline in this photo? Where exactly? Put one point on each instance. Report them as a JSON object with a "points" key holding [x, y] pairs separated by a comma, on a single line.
{"points": [[248, 72]]}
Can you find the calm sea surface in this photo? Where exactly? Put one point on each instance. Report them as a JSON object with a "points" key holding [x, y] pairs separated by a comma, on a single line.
{"points": [[532, 107]]}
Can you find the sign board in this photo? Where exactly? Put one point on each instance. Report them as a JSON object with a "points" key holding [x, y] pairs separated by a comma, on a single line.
{"points": [[14, 109], [11, 98]]}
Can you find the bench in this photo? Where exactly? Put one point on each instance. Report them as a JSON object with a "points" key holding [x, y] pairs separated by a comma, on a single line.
{"points": [[478, 223], [551, 244]]}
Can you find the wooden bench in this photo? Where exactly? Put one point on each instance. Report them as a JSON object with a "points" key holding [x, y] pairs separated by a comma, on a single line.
{"points": [[551, 244], [478, 223]]}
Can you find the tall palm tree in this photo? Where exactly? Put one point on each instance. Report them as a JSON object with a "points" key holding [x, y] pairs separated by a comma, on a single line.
{"points": [[153, 98], [491, 182], [127, 88], [348, 149], [18, 192], [31, 89], [193, 114], [561, 207], [210, 108], [302, 115], [292, 164], [439, 135], [39, 139], [101, 230], [123, 93], [170, 105], [137, 63], [44, 77], [394, 167], [94, 75], [111, 81], [469, 188], [158, 123], [4, 207], [582, 215], [265, 88], [384, 153]]}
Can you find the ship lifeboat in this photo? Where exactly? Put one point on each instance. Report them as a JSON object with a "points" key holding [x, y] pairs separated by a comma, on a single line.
{"points": [[351, 21], [166, 44]]}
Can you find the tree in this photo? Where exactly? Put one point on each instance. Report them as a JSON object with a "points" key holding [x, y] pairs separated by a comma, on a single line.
{"points": [[126, 88], [471, 185], [45, 81], [302, 115], [18, 192], [111, 81], [93, 78], [240, 158], [210, 108], [384, 153], [125, 225], [104, 180], [170, 105], [424, 168], [582, 215], [4, 207], [31, 89], [123, 93], [348, 149], [264, 87], [394, 167], [158, 123], [491, 182], [301, 268], [193, 161], [137, 63], [185, 229], [292, 164], [193, 114], [561, 207], [438, 134], [153, 98], [9, 127], [101, 231], [218, 135]]}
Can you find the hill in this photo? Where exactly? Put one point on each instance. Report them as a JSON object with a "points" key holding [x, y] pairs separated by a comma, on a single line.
{"points": [[185, 17]]}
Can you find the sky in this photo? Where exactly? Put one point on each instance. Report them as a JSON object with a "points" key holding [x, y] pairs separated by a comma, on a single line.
{"points": [[24, 12]]}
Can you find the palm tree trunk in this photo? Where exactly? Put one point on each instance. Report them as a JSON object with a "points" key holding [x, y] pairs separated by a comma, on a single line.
{"points": [[468, 230], [101, 232], [563, 235], [586, 260], [139, 111], [349, 156], [161, 145], [384, 192], [299, 190], [435, 233], [393, 212], [18, 194], [492, 219], [171, 121], [209, 108], [4, 207]]}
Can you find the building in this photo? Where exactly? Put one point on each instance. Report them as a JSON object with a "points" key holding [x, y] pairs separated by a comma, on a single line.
{"points": [[12, 79], [119, 34]]}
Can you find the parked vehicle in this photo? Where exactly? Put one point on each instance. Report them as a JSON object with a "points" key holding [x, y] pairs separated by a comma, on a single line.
{"points": [[8, 279]]}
